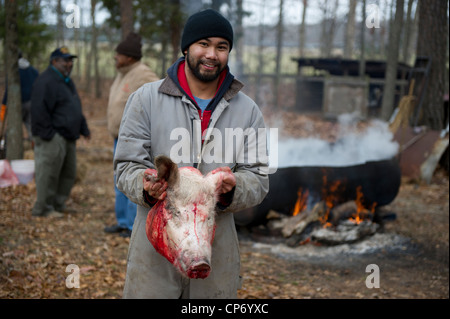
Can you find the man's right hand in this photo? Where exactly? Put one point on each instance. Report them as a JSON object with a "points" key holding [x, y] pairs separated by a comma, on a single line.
{"points": [[154, 186]]}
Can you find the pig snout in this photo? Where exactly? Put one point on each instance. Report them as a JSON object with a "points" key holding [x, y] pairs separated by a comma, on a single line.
{"points": [[198, 270], [194, 264]]}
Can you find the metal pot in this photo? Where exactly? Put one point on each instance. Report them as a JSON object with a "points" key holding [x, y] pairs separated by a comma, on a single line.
{"points": [[379, 182]]}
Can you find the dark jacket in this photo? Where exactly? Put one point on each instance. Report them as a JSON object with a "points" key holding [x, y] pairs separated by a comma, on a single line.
{"points": [[27, 77], [56, 107]]}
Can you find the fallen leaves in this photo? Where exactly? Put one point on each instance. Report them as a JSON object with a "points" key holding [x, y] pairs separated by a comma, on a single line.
{"points": [[35, 252]]}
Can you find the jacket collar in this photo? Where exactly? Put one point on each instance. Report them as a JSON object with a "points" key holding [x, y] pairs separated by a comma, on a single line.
{"points": [[59, 75], [128, 68]]}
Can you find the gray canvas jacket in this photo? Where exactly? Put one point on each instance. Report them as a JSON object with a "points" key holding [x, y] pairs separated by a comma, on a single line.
{"points": [[155, 118]]}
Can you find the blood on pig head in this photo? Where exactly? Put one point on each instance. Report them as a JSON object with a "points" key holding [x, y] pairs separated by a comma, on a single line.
{"points": [[181, 227]]}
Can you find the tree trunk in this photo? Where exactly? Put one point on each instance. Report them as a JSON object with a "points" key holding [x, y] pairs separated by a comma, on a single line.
{"points": [[323, 36], [350, 30], [384, 26], [433, 42], [88, 64], [328, 27], [175, 30], [409, 25], [239, 38], [260, 70], [163, 57], [279, 53], [76, 37], [59, 24], [362, 57], [14, 138], [94, 50], [302, 32], [387, 105], [126, 17]]}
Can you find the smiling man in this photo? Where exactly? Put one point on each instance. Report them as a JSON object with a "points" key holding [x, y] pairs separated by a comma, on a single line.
{"points": [[198, 95]]}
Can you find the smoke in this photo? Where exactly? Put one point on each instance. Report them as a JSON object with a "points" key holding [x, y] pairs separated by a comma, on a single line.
{"points": [[351, 147]]}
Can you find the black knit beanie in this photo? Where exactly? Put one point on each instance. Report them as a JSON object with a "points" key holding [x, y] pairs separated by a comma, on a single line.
{"points": [[131, 46], [205, 24]]}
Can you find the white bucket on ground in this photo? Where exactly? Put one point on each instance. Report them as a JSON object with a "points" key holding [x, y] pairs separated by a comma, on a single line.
{"points": [[24, 170]]}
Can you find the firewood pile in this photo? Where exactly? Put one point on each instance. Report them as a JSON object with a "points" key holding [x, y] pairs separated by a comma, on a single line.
{"points": [[343, 224]]}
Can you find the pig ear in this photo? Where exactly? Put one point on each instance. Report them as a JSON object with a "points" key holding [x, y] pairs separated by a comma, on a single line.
{"points": [[167, 170], [216, 178]]}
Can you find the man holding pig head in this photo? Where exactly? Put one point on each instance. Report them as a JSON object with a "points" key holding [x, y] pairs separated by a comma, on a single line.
{"points": [[175, 117]]}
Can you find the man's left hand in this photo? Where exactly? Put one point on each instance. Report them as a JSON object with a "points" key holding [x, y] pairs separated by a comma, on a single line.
{"points": [[228, 180]]}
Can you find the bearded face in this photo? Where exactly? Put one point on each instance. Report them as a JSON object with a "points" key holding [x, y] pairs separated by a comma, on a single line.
{"points": [[207, 58]]}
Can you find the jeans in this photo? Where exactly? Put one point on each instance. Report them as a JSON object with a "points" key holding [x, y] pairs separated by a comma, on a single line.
{"points": [[125, 208]]}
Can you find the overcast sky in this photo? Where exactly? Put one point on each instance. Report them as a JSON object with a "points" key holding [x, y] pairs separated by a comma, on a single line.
{"points": [[265, 11]]}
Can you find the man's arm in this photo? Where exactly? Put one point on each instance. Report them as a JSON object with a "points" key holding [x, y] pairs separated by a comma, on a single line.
{"points": [[42, 103]]}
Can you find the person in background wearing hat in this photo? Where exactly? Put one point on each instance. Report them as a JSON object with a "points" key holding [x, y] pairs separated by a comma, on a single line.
{"points": [[57, 121], [198, 90], [132, 74]]}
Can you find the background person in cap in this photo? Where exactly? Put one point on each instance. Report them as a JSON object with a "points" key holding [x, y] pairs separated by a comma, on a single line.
{"points": [[199, 88], [132, 74], [57, 121]]}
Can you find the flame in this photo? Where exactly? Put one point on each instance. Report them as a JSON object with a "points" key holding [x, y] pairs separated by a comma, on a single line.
{"points": [[360, 208], [330, 195], [300, 204]]}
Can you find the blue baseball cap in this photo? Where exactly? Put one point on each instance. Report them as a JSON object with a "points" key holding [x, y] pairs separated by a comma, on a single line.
{"points": [[62, 52]]}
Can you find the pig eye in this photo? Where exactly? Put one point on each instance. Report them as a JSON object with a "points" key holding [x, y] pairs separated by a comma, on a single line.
{"points": [[176, 213]]}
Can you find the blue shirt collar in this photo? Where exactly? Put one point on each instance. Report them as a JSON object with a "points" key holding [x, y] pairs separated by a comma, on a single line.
{"points": [[65, 78]]}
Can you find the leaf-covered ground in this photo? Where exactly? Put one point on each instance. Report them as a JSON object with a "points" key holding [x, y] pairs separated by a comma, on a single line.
{"points": [[35, 252]]}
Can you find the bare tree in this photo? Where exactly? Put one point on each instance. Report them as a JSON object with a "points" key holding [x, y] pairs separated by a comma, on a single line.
{"points": [[350, 30], [94, 50], [175, 31], [432, 42], [87, 55], [60, 24], [409, 26], [239, 38], [280, 32], [383, 27], [76, 37], [302, 31], [362, 57], [14, 137], [261, 35], [328, 26], [126, 17], [387, 105]]}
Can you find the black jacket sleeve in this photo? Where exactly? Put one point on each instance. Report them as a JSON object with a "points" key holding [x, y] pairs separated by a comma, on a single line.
{"points": [[43, 101]]}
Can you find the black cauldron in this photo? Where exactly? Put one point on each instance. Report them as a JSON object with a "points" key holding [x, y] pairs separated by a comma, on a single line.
{"points": [[379, 182]]}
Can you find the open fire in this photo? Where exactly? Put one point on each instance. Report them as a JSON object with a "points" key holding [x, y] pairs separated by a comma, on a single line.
{"points": [[328, 221], [326, 205], [331, 198]]}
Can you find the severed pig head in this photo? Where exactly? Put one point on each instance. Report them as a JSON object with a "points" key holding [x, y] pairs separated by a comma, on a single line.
{"points": [[181, 227]]}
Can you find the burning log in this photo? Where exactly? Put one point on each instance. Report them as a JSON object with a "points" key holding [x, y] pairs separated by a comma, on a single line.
{"points": [[344, 223], [298, 223], [343, 211], [349, 210], [346, 232], [298, 228]]}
